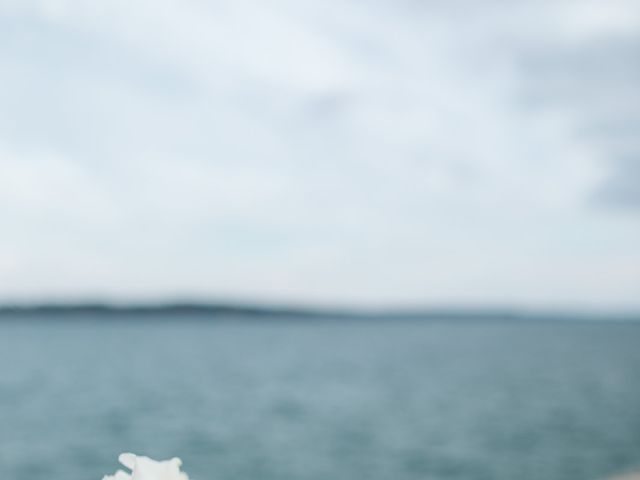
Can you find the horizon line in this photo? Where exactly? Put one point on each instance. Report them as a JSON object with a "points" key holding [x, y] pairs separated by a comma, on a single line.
{"points": [[291, 309]]}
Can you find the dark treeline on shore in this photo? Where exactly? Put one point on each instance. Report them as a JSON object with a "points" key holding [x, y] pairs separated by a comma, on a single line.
{"points": [[254, 311]]}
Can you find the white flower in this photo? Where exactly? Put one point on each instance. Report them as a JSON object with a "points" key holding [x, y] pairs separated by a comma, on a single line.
{"points": [[144, 468]]}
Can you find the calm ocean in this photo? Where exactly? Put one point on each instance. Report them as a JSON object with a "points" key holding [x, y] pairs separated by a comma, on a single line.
{"points": [[306, 400]]}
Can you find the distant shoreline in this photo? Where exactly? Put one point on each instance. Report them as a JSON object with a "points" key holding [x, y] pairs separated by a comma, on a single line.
{"points": [[255, 311]]}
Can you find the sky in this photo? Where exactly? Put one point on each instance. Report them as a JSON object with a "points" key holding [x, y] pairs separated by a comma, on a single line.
{"points": [[343, 152]]}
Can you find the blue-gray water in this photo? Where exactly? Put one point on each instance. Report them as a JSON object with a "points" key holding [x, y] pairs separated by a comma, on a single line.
{"points": [[320, 400]]}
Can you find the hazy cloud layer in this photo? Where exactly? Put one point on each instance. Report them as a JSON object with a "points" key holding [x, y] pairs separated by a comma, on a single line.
{"points": [[386, 152]]}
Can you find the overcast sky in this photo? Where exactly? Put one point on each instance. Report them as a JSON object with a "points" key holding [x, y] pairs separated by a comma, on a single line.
{"points": [[332, 152]]}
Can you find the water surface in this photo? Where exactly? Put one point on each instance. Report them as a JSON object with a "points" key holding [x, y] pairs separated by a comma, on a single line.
{"points": [[307, 400]]}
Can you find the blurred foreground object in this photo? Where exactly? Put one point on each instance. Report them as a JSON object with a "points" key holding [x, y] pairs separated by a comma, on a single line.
{"points": [[627, 476], [145, 468]]}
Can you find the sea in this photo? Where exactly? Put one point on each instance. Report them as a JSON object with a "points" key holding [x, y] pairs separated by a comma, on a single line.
{"points": [[300, 399]]}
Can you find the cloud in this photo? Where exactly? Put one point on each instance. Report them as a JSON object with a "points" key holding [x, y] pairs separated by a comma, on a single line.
{"points": [[333, 151], [622, 188], [593, 76]]}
